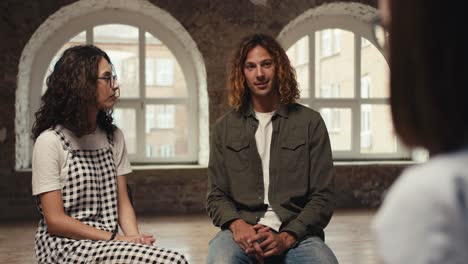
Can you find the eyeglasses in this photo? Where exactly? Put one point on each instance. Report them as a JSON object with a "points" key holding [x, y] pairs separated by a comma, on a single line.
{"points": [[112, 82], [380, 33]]}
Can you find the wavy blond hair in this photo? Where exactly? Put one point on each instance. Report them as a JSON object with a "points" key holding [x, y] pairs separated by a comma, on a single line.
{"points": [[285, 75]]}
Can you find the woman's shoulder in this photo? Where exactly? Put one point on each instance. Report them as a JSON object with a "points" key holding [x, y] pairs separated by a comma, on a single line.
{"points": [[118, 135], [48, 136], [48, 144], [438, 171], [431, 183]]}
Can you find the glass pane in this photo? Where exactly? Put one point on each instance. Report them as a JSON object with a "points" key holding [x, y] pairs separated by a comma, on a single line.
{"points": [[298, 54], [79, 39], [334, 64], [120, 42], [125, 119], [338, 122], [164, 76], [166, 130], [374, 72], [377, 135]]}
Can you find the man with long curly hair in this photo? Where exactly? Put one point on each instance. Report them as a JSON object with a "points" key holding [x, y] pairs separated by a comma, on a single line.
{"points": [[271, 176]]}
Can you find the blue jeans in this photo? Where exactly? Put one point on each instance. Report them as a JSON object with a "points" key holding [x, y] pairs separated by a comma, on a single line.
{"points": [[223, 249]]}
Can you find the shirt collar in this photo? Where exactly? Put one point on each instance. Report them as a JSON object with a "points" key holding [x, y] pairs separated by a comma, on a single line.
{"points": [[281, 111]]}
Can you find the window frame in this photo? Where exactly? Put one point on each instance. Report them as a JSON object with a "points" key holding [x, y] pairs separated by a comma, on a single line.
{"points": [[87, 23], [340, 18]]}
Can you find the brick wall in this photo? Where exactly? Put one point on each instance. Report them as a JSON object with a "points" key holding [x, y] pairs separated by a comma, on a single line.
{"points": [[183, 190]]}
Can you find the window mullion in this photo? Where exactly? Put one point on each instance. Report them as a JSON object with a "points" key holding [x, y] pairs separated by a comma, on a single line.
{"points": [[374, 101], [356, 129], [356, 108], [312, 67], [89, 36], [142, 58], [141, 118], [357, 67]]}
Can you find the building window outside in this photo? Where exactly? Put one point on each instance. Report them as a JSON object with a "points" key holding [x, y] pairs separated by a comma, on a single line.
{"points": [[336, 41], [332, 119], [366, 130], [331, 116], [326, 43], [150, 72], [366, 111], [164, 72], [365, 86], [149, 150], [128, 69], [330, 90], [165, 116], [166, 151], [330, 42], [159, 72]]}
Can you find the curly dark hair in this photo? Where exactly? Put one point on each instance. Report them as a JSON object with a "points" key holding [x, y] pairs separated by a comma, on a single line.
{"points": [[71, 88], [286, 83]]}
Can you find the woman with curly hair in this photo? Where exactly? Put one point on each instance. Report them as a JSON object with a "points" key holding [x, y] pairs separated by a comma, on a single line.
{"points": [[79, 160], [271, 170]]}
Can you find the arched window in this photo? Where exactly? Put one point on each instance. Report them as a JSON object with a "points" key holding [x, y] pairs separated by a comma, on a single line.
{"points": [[344, 76], [160, 71]]}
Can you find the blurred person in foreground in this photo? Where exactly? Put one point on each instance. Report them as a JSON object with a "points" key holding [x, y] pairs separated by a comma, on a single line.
{"points": [[424, 218]]}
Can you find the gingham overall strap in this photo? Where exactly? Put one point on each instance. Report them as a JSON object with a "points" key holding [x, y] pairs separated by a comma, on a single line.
{"points": [[65, 141], [110, 140]]}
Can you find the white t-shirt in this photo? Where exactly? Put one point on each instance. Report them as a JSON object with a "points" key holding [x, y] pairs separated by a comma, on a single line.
{"points": [[50, 160], [424, 218], [263, 141]]}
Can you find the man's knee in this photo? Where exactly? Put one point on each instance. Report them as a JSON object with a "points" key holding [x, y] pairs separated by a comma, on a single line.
{"points": [[311, 250], [223, 249]]}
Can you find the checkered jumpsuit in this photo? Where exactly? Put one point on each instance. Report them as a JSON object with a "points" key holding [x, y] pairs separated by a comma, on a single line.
{"points": [[90, 195]]}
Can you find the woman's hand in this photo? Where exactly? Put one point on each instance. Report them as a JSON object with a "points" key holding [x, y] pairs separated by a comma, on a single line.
{"points": [[137, 239]]}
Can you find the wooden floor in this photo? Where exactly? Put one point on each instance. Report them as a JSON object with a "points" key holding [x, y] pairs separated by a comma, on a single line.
{"points": [[348, 235]]}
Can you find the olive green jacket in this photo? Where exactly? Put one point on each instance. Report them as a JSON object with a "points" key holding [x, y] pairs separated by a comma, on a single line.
{"points": [[301, 189]]}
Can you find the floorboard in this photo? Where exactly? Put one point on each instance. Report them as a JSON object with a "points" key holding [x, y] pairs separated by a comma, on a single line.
{"points": [[348, 235]]}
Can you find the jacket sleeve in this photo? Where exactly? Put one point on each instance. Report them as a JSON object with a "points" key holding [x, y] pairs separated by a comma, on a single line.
{"points": [[321, 197], [219, 205]]}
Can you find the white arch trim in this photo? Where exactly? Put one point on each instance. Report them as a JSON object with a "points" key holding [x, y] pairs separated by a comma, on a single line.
{"points": [[71, 20]]}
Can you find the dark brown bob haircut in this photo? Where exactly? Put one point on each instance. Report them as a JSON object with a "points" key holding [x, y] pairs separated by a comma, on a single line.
{"points": [[71, 89], [428, 57], [285, 75]]}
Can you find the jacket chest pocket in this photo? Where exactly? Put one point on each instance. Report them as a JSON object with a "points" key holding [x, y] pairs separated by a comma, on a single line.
{"points": [[293, 154], [237, 154]]}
